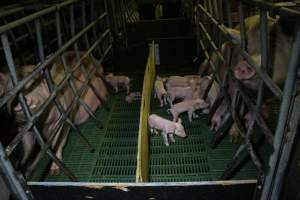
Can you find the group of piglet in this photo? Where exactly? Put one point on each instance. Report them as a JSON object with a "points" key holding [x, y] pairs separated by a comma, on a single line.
{"points": [[191, 91], [121, 81]]}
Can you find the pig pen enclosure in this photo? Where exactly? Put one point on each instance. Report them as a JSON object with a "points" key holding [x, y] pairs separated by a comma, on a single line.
{"points": [[55, 58]]}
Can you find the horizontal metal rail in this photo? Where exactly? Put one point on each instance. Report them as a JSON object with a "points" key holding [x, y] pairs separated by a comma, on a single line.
{"points": [[33, 16], [41, 66], [54, 93], [267, 80]]}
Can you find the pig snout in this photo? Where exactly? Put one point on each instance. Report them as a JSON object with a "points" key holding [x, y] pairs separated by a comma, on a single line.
{"points": [[244, 71]]}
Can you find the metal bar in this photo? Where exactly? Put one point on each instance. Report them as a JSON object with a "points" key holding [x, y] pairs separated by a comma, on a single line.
{"points": [[82, 103], [267, 80], [14, 179], [272, 7], [5, 13], [35, 116], [267, 192], [33, 16], [50, 85], [228, 13], [244, 44], [287, 149], [41, 66], [25, 108]]}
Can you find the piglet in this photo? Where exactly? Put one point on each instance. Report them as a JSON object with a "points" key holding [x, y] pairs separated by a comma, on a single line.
{"points": [[186, 93], [117, 81], [167, 128], [189, 106], [160, 91], [178, 81], [133, 96]]}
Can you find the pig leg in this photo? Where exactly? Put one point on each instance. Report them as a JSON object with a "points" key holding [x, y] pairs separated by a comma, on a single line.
{"points": [[151, 130], [190, 114], [156, 132], [165, 99], [116, 88], [172, 137], [234, 133], [54, 169], [128, 88], [160, 100], [28, 144], [165, 137], [174, 114], [195, 115]]}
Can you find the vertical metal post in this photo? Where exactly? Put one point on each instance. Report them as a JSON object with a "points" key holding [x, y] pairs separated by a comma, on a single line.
{"points": [[242, 27], [82, 103], [268, 191], [14, 180], [228, 13]]}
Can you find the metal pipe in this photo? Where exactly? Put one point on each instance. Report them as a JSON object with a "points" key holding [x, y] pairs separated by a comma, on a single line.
{"points": [[41, 66], [287, 148], [33, 16], [13, 178], [267, 80], [267, 192], [25, 107]]}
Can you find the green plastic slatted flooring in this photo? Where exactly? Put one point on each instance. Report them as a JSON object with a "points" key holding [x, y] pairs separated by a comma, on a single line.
{"points": [[114, 159], [191, 159]]}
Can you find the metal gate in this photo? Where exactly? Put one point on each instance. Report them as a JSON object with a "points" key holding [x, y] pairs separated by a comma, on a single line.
{"points": [[269, 181], [46, 33]]}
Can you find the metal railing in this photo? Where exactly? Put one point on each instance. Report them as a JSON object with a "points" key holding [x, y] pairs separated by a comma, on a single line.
{"points": [[88, 39], [270, 182]]}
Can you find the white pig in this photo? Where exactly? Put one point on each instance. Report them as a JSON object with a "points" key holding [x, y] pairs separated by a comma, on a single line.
{"points": [[167, 128], [180, 82], [189, 106], [133, 96], [117, 81], [160, 91], [186, 93]]}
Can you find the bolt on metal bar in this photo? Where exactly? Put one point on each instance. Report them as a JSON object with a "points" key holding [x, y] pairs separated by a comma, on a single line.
{"points": [[25, 107], [267, 192]]}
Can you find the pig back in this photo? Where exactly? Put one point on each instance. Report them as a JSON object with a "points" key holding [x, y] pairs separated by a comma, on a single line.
{"points": [[160, 123]]}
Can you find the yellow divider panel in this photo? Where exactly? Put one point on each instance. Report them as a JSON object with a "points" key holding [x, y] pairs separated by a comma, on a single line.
{"points": [[142, 170]]}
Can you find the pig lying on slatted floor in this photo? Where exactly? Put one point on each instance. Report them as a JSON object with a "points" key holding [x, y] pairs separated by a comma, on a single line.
{"points": [[118, 81], [167, 128], [36, 92], [189, 106], [160, 91]]}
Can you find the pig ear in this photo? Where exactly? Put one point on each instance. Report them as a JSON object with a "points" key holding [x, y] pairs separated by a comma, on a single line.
{"points": [[234, 33]]}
